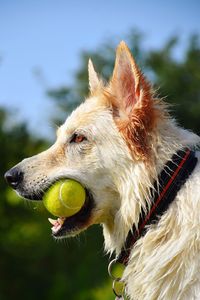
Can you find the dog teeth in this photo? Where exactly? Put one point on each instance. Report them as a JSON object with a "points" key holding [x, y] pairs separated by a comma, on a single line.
{"points": [[57, 224], [60, 221], [52, 221]]}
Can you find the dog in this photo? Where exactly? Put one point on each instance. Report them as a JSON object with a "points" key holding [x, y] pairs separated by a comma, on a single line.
{"points": [[116, 144]]}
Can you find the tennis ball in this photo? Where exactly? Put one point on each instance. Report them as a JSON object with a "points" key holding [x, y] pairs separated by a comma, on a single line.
{"points": [[65, 198]]}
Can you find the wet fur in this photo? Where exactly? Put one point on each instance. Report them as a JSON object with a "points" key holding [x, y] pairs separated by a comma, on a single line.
{"points": [[130, 136]]}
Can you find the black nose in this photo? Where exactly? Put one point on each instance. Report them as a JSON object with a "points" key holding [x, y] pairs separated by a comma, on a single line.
{"points": [[13, 177]]}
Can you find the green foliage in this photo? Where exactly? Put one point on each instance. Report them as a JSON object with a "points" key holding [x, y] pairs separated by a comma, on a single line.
{"points": [[176, 80], [179, 80]]}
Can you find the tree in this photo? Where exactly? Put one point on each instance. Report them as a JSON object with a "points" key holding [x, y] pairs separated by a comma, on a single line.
{"points": [[179, 80], [176, 80]]}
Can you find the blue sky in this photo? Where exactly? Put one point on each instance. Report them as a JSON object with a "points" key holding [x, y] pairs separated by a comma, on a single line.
{"points": [[48, 35]]}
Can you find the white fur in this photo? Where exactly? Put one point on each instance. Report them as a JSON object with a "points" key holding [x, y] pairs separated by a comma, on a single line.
{"points": [[165, 263]]}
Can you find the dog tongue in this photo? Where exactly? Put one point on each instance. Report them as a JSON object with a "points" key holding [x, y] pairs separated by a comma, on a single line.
{"points": [[57, 224]]}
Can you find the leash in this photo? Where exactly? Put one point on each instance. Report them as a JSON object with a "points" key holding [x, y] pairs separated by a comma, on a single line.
{"points": [[172, 177]]}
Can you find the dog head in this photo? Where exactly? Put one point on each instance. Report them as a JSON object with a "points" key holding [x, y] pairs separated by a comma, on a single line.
{"points": [[100, 141]]}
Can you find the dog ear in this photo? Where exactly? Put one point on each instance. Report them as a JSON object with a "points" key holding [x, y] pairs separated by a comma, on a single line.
{"points": [[131, 101], [94, 82], [128, 83]]}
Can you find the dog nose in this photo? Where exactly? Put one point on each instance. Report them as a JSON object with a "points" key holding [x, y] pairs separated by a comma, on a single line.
{"points": [[13, 177]]}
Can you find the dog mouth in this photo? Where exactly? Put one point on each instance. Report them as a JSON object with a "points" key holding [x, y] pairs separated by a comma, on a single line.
{"points": [[70, 226], [67, 226]]}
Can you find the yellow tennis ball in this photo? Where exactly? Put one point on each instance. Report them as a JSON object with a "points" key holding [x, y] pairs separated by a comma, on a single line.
{"points": [[65, 198]]}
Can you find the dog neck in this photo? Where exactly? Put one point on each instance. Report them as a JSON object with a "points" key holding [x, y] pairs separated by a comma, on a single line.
{"points": [[173, 176], [136, 181]]}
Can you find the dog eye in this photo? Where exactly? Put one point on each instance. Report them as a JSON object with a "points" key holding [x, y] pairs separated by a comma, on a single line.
{"points": [[77, 138]]}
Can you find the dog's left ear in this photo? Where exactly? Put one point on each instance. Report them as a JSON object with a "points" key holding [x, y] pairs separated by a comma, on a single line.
{"points": [[132, 102], [94, 81]]}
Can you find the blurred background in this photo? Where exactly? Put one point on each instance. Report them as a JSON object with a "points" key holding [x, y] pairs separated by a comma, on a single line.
{"points": [[44, 50]]}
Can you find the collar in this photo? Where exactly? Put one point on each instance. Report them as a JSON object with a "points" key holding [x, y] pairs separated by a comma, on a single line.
{"points": [[172, 177]]}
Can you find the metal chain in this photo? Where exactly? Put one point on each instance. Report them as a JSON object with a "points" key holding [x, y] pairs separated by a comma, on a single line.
{"points": [[116, 280]]}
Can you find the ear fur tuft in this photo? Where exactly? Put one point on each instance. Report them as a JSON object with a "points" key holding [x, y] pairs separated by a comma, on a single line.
{"points": [[94, 82], [132, 102]]}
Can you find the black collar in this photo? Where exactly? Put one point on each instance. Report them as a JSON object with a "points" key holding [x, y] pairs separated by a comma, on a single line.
{"points": [[170, 180]]}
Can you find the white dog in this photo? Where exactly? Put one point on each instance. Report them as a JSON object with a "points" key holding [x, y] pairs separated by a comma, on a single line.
{"points": [[141, 177]]}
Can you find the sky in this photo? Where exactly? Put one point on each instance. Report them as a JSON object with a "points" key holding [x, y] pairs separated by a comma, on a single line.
{"points": [[49, 35]]}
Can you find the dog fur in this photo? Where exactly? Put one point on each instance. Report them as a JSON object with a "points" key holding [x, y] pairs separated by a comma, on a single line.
{"points": [[115, 144]]}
